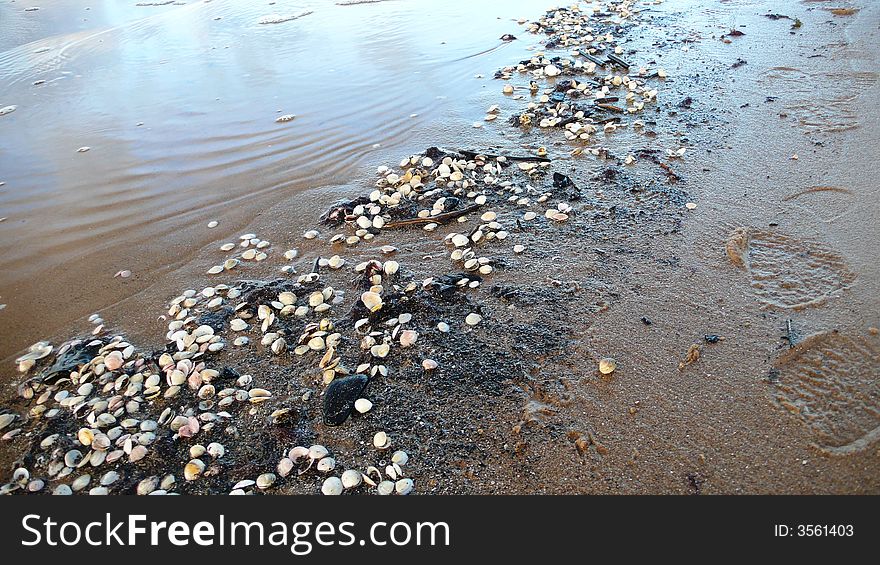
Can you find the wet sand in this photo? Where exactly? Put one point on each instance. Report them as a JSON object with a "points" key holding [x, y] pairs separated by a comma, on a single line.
{"points": [[767, 256]]}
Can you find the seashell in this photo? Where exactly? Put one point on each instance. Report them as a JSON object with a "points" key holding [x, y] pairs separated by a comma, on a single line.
{"points": [[284, 118], [408, 337], [372, 301], [216, 450], [298, 453], [148, 485], [351, 479], [85, 436], [317, 452], [363, 405], [332, 486], [109, 478], [62, 490], [607, 365], [285, 466], [279, 346], [113, 360], [380, 350], [403, 486], [73, 457], [259, 394], [473, 319], [380, 440], [429, 364], [193, 469], [400, 458], [80, 482], [460, 240], [385, 488], [326, 464], [196, 451], [265, 480], [391, 267], [21, 475], [138, 452]]}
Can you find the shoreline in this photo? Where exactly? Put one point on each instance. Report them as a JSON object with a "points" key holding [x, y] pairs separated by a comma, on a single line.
{"points": [[516, 402]]}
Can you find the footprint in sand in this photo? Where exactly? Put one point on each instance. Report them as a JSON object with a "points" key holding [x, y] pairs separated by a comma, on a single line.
{"points": [[785, 272], [828, 203], [821, 102], [831, 382]]}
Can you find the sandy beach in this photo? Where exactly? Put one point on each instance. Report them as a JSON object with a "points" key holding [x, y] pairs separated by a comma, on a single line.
{"points": [[610, 248]]}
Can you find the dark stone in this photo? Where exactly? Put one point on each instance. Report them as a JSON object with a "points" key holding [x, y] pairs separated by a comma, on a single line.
{"points": [[340, 396], [69, 361], [712, 338], [561, 181]]}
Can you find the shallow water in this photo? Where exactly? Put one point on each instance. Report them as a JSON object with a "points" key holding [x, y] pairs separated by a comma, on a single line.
{"points": [[177, 104]]}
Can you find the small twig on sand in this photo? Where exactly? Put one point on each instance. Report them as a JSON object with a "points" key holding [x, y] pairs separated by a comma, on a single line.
{"points": [[617, 60], [472, 154], [438, 219]]}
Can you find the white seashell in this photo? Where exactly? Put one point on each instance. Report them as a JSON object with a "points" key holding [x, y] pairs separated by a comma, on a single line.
{"points": [[460, 240], [403, 486], [265, 480], [429, 364], [372, 301], [285, 466], [326, 464], [351, 479], [148, 485], [216, 450], [380, 350], [298, 453], [385, 488], [80, 482], [400, 458], [473, 319], [408, 337], [332, 486], [317, 452], [363, 405], [380, 440]]}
